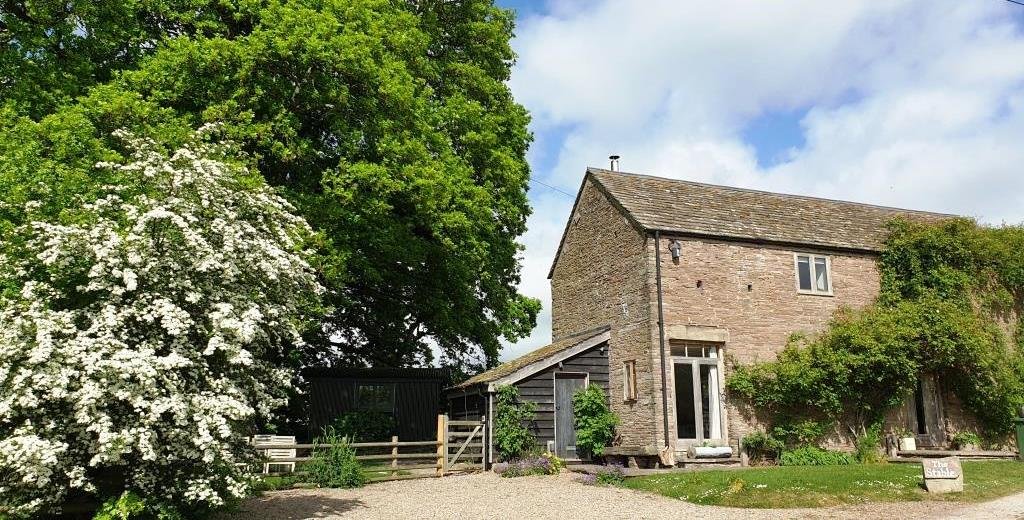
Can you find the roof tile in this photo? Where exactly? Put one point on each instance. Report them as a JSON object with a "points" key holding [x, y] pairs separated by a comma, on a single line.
{"points": [[694, 208]]}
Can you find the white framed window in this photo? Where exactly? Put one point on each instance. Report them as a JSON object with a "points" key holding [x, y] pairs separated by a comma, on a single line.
{"points": [[696, 369], [629, 380], [813, 274], [693, 349]]}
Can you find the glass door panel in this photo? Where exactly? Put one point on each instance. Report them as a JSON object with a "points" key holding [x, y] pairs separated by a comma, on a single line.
{"points": [[686, 420], [712, 416]]}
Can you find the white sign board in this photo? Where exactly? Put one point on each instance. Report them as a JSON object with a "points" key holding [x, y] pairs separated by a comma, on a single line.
{"points": [[943, 475], [948, 467]]}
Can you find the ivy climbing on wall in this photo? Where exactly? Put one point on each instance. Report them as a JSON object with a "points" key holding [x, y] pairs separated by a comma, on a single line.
{"points": [[950, 304]]}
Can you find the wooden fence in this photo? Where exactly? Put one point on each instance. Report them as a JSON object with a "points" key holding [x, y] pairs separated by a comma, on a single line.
{"points": [[459, 447]]}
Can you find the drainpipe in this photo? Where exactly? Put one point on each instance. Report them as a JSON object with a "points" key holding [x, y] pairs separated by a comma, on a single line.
{"points": [[661, 334], [489, 449]]}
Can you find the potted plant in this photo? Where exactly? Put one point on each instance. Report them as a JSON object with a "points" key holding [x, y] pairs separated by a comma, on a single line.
{"points": [[907, 440], [966, 441]]}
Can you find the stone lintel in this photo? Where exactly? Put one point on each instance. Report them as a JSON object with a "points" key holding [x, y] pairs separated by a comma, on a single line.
{"points": [[697, 333]]}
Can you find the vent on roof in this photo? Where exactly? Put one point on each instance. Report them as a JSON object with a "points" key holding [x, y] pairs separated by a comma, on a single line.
{"points": [[614, 159]]}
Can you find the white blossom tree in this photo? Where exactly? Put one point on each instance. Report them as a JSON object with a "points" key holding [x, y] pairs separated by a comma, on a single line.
{"points": [[152, 326]]}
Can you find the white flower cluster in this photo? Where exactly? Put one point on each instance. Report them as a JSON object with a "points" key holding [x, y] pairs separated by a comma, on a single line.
{"points": [[149, 329]]}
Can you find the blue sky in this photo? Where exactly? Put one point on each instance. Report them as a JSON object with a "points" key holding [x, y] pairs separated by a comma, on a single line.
{"points": [[911, 103]]}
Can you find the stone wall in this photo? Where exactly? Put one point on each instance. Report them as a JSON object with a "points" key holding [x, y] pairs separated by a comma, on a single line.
{"points": [[601, 278], [749, 290], [605, 275]]}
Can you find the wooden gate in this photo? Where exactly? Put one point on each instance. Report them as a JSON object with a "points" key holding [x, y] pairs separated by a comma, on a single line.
{"points": [[462, 445]]}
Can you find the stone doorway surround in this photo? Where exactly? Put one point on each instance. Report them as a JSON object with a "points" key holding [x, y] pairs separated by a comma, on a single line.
{"points": [[703, 334]]}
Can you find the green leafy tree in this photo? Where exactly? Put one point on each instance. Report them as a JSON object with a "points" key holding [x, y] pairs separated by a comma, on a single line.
{"points": [[512, 437], [388, 123]]}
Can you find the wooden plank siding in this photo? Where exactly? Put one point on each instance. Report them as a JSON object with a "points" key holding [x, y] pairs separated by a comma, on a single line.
{"points": [[417, 398], [539, 388]]}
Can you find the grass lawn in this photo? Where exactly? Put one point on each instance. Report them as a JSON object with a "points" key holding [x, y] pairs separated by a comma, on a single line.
{"points": [[817, 486]]}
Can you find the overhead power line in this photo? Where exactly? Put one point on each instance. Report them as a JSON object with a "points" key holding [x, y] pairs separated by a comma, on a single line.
{"points": [[567, 194], [1018, 2]]}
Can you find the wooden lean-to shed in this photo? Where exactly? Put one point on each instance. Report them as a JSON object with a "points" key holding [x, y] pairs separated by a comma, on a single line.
{"points": [[548, 377]]}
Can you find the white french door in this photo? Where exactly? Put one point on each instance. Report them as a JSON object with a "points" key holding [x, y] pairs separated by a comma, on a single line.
{"points": [[697, 392]]}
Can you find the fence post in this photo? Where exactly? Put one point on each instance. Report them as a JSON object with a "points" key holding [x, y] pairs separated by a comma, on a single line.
{"points": [[394, 456], [442, 444]]}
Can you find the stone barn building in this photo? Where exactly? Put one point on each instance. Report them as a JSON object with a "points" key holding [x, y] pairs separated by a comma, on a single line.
{"points": [[673, 278]]}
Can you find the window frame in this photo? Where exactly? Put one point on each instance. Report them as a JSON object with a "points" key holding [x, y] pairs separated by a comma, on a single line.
{"points": [[376, 392], [681, 357], [811, 257], [629, 391]]}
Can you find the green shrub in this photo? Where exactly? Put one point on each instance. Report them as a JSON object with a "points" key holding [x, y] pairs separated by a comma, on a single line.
{"points": [[333, 462], [761, 445], [512, 437], [130, 506], [869, 446], [276, 482], [611, 475], [365, 426], [595, 423], [963, 439], [546, 464], [814, 456]]}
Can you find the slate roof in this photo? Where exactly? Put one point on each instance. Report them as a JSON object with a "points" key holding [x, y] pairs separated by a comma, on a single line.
{"points": [[693, 208], [544, 352]]}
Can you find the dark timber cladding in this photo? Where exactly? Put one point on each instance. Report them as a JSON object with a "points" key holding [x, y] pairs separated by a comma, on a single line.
{"points": [[412, 396], [540, 387], [583, 358]]}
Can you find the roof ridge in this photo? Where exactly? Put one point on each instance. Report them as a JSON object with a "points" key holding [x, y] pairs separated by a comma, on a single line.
{"points": [[597, 170]]}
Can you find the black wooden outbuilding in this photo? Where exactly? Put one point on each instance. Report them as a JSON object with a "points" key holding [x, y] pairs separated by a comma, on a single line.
{"points": [[412, 396]]}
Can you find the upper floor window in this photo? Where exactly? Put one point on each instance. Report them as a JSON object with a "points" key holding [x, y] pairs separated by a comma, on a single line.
{"points": [[813, 274]]}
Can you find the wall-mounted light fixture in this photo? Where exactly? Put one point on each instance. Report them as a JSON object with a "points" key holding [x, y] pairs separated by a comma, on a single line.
{"points": [[676, 248]]}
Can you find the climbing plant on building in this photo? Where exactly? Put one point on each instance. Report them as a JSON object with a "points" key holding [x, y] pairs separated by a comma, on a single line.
{"points": [[512, 416], [595, 423], [950, 304]]}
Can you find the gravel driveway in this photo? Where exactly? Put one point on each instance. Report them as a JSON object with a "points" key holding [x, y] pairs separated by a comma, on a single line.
{"points": [[558, 497]]}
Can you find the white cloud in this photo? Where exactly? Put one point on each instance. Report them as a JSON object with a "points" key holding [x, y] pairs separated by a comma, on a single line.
{"points": [[909, 103]]}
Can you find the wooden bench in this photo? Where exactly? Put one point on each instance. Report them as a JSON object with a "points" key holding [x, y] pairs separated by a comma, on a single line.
{"points": [[276, 456]]}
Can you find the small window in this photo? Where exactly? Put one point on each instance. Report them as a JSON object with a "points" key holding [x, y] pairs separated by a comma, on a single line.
{"points": [[629, 380], [378, 398], [693, 350], [812, 274]]}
